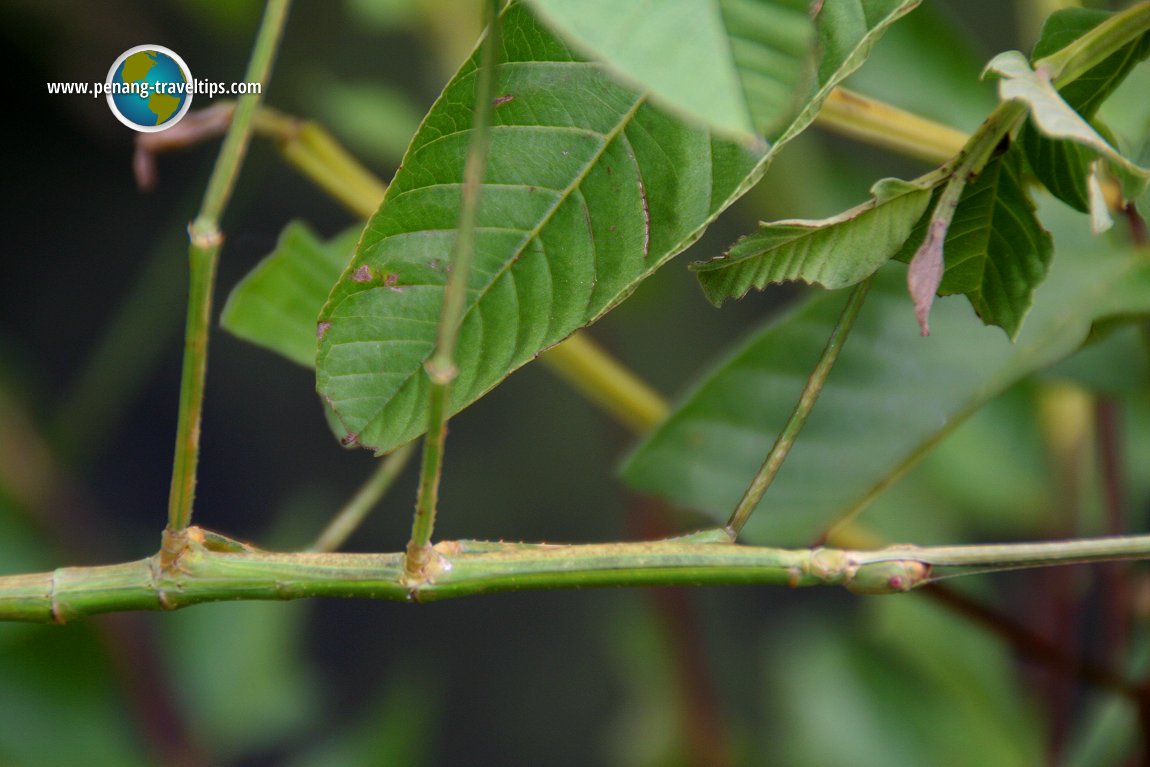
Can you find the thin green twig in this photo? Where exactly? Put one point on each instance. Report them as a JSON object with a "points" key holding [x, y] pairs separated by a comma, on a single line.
{"points": [[203, 255], [794, 425], [441, 368], [235, 145]]}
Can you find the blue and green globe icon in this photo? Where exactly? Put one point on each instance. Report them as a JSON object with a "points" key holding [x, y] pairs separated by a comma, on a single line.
{"points": [[149, 88]]}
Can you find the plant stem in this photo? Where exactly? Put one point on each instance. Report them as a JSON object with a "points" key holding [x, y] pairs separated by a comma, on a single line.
{"points": [[681, 637], [354, 511], [1031, 646], [236, 140], [441, 369], [203, 255], [605, 381], [1115, 587], [798, 417], [1016, 556], [879, 124], [211, 568]]}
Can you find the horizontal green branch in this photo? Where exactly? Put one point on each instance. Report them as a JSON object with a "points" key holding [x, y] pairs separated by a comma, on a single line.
{"points": [[210, 568]]}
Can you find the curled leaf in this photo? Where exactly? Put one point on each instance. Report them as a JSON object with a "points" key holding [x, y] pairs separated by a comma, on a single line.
{"points": [[1056, 119], [925, 272], [832, 252], [1100, 220]]}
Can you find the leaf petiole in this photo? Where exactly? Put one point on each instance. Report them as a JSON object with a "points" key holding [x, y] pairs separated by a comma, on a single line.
{"points": [[203, 254], [810, 394], [441, 367]]}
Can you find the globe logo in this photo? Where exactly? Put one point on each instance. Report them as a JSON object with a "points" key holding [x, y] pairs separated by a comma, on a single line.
{"points": [[149, 88]]}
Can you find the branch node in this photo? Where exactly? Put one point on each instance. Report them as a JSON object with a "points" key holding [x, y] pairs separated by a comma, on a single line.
{"points": [[173, 544], [421, 565], [440, 372], [58, 616], [205, 234]]}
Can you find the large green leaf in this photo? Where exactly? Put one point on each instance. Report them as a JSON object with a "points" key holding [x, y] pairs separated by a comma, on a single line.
{"points": [[996, 251], [589, 189], [833, 252], [737, 65], [891, 395], [745, 67], [276, 305], [266, 648], [903, 682]]}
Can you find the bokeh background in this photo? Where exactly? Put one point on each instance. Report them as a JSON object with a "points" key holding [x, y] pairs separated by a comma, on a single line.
{"points": [[91, 309]]}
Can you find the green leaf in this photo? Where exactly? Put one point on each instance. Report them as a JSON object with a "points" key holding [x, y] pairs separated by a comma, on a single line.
{"points": [[276, 305], [737, 65], [997, 252], [744, 67], [589, 189], [834, 252], [1064, 167], [891, 396], [1056, 119], [265, 648], [903, 682], [1113, 363], [64, 700], [1107, 731], [1087, 93], [847, 31], [995, 249]]}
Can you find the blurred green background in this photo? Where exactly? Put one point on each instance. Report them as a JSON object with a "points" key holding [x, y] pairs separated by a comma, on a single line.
{"points": [[709, 676]]}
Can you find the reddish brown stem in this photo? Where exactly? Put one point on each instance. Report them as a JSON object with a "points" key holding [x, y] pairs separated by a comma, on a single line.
{"points": [[1138, 233], [1031, 646], [1114, 585]]}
